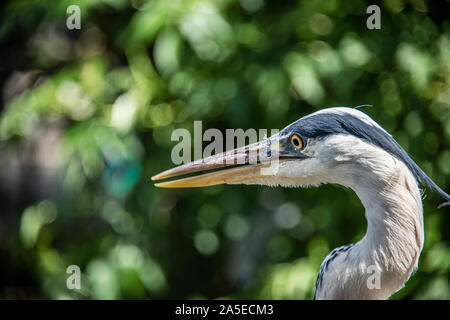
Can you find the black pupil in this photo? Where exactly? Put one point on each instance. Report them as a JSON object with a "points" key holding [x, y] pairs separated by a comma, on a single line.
{"points": [[296, 142]]}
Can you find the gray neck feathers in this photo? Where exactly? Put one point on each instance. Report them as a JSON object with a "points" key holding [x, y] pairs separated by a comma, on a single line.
{"points": [[380, 263]]}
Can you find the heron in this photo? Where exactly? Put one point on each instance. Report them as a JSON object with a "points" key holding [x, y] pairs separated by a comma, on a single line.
{"points": [[344, 146]]}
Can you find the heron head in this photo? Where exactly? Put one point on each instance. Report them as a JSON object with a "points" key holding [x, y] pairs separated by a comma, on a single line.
{"points": [[335, 145]]}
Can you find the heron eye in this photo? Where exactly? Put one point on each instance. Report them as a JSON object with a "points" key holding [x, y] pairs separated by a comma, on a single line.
{"points": [[297, 142]]}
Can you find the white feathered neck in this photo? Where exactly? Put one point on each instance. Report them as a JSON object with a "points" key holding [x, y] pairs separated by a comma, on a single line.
{"points": [[394, 239]]}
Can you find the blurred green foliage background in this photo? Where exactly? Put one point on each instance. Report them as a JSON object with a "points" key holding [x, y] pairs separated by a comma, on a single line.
{"points": [[87, 117]]}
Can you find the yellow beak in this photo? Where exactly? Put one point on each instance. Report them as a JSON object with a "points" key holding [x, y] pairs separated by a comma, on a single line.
{"points": [[249, 162]]}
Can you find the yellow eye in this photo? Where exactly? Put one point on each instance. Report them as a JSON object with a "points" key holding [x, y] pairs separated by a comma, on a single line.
{"points": [[297, 142]]}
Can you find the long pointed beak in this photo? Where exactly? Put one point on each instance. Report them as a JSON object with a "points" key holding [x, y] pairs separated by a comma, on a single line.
{"points": [[249, 162]]}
